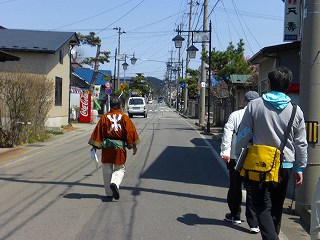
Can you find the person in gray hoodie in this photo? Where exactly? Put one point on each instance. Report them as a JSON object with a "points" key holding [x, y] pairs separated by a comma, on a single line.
{"points": [[265, 121]]}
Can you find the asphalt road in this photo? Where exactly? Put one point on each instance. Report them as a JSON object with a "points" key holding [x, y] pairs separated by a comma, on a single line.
{"points": [[175, 188]]}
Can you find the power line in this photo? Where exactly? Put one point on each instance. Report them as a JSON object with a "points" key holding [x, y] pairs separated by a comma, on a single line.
{"points": [[245, 35], [85, 19], [252, 14], [154, 22], [248, 29], [122, 16], [213, 8], [210, 13], [227, 21], [195, 27]]}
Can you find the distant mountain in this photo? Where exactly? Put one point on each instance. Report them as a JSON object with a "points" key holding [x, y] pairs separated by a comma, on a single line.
{"points": [[156, 85], [155, 82]]}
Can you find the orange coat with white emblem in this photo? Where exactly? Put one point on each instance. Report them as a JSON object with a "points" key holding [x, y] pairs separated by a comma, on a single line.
{"points": [[114, 125]]}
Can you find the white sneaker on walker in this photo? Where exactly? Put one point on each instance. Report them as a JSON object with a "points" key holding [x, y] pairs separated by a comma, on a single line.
{"points": [[254, 230]]}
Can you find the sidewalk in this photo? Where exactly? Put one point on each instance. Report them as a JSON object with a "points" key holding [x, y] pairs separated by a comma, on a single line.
{"points": [[7, 154]]}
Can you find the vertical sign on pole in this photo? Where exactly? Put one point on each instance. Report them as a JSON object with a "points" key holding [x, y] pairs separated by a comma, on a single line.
{"points": [[292, 21]]}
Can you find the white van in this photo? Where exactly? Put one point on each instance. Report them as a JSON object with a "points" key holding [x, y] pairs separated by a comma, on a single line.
{"points": [[137, 106]]}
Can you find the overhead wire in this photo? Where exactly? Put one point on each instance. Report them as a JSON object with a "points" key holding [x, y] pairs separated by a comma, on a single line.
{"points": [[239, 35], [122, 16], [212, 9], [185, 13], [217, 34], [227, 21], [252, 14], [245, 35], [197, 4], [201, 9], [248, 28], [148, 25], [87, 18]]}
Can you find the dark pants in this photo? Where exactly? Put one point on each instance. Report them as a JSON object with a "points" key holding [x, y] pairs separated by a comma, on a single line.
{"points": [[268, 203], [234, 197]]}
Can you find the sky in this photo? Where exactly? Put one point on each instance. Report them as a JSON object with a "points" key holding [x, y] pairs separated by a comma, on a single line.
{"points": [[149, 26]]}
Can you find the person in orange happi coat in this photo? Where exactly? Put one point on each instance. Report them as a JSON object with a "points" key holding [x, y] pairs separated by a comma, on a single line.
{"points": [[113, 134]]}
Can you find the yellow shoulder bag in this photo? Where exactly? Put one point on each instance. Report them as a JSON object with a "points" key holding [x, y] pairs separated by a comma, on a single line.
{"points": [[262, 162]]}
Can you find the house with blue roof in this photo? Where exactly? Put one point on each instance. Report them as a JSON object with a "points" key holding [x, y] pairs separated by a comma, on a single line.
{"points": [[86, 74], [44, 53]]}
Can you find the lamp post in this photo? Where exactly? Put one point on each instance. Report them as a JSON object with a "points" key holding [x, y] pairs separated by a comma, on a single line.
{"points": [[198, 37], [125, 65]]}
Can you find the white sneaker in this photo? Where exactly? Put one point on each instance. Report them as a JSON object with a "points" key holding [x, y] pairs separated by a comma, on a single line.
{"points": [[234, 219], [254, 230]]}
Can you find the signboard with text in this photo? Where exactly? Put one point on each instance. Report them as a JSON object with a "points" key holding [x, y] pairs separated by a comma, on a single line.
{"points": [[292, 20], [86, 108]]}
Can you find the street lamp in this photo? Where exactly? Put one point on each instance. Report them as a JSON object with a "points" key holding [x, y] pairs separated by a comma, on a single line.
{"points": [[192, 51], [178, 41], [125, 65], [133, 60], [198, 37]]}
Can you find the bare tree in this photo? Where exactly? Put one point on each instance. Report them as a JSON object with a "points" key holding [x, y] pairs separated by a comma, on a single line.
{"points": [[25, 101]]}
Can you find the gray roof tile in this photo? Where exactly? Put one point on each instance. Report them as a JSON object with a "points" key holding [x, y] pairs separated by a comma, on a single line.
{"points": [[35, 41]]}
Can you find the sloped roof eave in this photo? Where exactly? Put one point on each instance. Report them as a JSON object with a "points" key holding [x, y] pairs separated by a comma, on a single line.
{"points": [[35, 41], [4, 56], [28, 50], [271, 51]]}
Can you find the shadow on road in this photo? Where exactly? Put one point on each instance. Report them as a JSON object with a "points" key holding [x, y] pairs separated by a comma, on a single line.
{"points": [[137, 190], [191, 219], [194, 165]]}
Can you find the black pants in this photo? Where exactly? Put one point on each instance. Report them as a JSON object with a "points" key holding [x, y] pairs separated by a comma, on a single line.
{"points": [[234, 197], [268, 203]]}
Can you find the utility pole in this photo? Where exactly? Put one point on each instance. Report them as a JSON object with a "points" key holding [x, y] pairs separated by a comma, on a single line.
{"points": [[179, 69], [170, 78], [118, 55], [203, 69], [309, 99], [167, 83], [185, 105], [96, 68], [115, 69]]}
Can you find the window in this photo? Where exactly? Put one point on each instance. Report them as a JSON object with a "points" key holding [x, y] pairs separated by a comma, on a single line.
{"points": [[61, 56], [136, 101], [58, 92]]}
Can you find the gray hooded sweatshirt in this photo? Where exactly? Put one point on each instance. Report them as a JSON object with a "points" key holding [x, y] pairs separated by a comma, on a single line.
{"points": [[266, 120]]}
